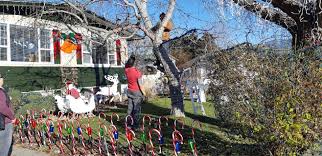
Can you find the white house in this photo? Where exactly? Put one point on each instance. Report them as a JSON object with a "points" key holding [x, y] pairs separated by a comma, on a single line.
{"points": [[34, 47]]}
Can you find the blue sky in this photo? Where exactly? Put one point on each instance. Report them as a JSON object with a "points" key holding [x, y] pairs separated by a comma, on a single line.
{"points": [[231, 25]]}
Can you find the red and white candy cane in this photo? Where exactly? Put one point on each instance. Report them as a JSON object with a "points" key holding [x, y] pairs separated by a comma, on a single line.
{"points": [[27, 124], [60, 133], [80, 132], [130, 135], [103, 116], [19, 125], [192, 141], [112, 138], [177, 140], [160, 121], [193, 130], [178, 121], [48, 123], [151, 142], [73, 138], [117, 117], [143, 121], [126, 121]]}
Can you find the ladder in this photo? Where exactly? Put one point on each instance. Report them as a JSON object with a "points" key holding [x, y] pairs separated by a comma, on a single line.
{"points": [[68, 73]]}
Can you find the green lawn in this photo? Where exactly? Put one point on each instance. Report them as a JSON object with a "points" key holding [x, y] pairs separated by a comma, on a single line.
{"points": [[214, 138]]}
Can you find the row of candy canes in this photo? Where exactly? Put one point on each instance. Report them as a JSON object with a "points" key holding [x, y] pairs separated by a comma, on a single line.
{"points": [[30, 125]]}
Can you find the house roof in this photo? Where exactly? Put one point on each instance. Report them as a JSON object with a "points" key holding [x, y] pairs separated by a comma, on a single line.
{"points": [[35, 8]]}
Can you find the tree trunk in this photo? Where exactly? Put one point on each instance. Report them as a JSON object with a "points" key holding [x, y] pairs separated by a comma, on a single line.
{"points": [[172, 72], [308, 32]]}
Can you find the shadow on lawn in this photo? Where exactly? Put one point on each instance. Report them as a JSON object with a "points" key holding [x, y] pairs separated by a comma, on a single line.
{"points": [[207, 143]]}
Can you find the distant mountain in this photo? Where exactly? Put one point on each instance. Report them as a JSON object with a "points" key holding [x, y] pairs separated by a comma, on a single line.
{"points": [[279, 44]]}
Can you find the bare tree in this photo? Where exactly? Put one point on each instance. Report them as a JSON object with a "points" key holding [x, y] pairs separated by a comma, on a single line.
{"points": [[302, 18], [134, 18]]}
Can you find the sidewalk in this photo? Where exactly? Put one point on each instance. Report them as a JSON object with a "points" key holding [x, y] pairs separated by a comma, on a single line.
{"points": [[19, 151]]}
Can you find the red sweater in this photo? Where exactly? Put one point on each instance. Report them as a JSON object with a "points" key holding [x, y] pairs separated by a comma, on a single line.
{"points": [[4, 109], [132, 75]]}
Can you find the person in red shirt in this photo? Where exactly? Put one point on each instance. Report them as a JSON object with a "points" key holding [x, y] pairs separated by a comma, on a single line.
{"points": [[134, 93]]}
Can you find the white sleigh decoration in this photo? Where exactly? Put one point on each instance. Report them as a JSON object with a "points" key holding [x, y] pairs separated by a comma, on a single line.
{"points": [[108, 93], [76, 105]]}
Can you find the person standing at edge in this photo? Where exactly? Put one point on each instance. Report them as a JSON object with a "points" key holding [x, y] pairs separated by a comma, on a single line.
{"points": [[7, 112], [135, 91]]}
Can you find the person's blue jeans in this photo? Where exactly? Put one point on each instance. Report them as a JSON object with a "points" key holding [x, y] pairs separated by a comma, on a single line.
{"points": [[6, 140], [135, 98]]}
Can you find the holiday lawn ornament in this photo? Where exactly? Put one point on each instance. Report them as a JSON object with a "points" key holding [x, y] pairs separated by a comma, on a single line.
{"points": [[77, 104], [161, 140], [79, 131], [129, 133], [18, 129], [151, 142], [180, 120], [177, 140], [143, 134], [192, 141], [113, 134], [60, 136], [108, 93], [26, 123], [117, 118]]}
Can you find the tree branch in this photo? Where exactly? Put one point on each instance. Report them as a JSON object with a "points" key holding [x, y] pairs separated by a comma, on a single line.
{"points": [[273, 15]]}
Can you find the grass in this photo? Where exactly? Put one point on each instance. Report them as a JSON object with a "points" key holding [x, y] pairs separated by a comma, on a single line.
{"points": [[213, 138]]}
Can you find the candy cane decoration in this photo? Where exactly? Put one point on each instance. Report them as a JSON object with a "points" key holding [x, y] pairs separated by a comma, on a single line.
{"points": [[100, 135], [151, 142], [27, 126], [177, 140], [117, 117], [160, 121], [50, 130], [143, 121], [113, 137], [104, 139], [130, 135], [99, 116], [80, 133], [60, 133], [175, 124], [19, 127], [89, 132], [73, 138], [126, 121], [161, 139], [192, 141]]}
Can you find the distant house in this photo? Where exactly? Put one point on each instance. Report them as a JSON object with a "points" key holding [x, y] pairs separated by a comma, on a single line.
{"points": [[34, 47]]}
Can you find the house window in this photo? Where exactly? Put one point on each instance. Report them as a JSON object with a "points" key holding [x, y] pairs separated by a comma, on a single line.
{"points": [[45, 45], [24, 43], [111, 52], [99, 54], [87, 56], [3, 42]]}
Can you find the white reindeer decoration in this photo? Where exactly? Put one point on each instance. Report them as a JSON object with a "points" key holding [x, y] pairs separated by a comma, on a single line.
{"points": [[108, 93]]}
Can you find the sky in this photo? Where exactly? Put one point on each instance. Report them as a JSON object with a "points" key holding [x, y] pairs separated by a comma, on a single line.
{"points": [[229, 23]]}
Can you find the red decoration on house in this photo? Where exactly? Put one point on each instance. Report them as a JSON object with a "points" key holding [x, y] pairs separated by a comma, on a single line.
{"points": [[56, 38], [118, 52], [78, 38]]}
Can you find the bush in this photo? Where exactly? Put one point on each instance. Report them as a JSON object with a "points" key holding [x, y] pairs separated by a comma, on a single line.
{"points": [[276, 97], [16, 99], [36, 102]]}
